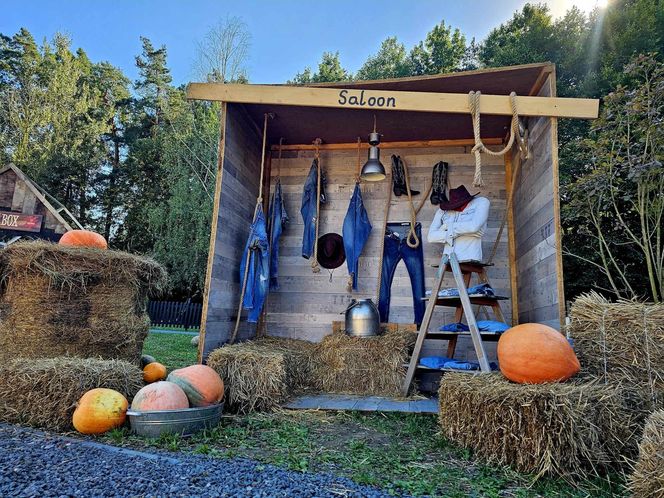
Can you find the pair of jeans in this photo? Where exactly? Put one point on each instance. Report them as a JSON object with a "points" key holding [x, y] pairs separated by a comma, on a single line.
{"points": [[308, 208], [356, 230], [257, 256], [278, 218], [395, 250]]}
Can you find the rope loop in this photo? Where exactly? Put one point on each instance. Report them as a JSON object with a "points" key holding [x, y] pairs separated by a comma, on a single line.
{"points": [[479, 147], [315, 267]]}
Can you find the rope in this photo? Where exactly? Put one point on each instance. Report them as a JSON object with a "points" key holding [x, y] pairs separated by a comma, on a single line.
{"points": [[315, 267], [411, 240], [281, 142], [479, 148], [259, 201]]}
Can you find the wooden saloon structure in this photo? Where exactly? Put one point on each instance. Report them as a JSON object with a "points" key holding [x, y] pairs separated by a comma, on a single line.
{"points": [[424, 120]]}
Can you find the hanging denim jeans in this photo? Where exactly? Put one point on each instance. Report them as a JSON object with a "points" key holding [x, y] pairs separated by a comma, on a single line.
{"points": [[394, 251], [356, 230], [278, 218], [257, 256], [308, 208]]}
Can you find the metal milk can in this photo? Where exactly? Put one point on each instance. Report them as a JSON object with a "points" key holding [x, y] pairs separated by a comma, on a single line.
{"points": [[362, 319]]}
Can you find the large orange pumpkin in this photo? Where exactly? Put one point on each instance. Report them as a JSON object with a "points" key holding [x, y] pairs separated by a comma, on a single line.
{"points": [[201, 383], [100, 410], [152, 372], [532, 353], [83, 238], [160, 396]]}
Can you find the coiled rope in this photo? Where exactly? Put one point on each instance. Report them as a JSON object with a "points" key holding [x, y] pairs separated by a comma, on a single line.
{"points": [[479, 147]]}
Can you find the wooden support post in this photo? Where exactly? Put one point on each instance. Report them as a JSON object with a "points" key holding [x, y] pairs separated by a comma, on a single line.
{"points": [[510, 180]]}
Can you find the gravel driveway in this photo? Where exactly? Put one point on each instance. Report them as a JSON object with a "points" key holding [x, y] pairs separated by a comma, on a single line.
{"points": [[34, 463]]}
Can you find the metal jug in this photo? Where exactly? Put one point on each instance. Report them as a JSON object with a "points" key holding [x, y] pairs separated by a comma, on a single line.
{"points": [[362, 319]]}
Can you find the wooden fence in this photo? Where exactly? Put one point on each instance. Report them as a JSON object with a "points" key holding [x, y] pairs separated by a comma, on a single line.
{"points": [[175, 314]]}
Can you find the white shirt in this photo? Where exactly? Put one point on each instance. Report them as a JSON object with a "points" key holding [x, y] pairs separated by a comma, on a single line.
{"points": [[461, 231]]}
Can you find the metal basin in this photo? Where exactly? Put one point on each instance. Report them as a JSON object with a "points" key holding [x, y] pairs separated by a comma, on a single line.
{"points": [[185, 422]]}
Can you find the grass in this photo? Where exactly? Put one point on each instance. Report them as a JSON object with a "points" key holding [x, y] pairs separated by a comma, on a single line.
{"points": [[172, 350], [401, 453]]}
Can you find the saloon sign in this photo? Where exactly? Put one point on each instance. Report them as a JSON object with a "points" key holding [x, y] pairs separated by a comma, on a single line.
{"points": [[21, 222]]}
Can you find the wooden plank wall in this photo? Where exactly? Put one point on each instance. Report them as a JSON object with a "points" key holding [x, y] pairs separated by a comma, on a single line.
{"points": [[536, 222], [306, 304], [239, 188]]}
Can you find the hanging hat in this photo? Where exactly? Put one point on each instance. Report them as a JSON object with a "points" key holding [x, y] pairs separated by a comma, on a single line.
{"points": [[331, 253], [457, 197]]}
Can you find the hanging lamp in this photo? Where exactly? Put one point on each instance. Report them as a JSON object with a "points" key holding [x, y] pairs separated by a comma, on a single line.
{"points": [[373, 170]]}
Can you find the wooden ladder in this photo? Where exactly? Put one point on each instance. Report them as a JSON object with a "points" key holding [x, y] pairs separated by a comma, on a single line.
{"points": [[463, 304]]}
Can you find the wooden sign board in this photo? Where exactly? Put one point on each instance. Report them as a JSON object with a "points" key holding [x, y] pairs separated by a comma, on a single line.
{"points": [[21, 222]]}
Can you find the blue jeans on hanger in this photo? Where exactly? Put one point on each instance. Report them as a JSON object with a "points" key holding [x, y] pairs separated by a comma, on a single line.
{"points": [[278, 218], [257, 256], [308, 210], [394, 251]]}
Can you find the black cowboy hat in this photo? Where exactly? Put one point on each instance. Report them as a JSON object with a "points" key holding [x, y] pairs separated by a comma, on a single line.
{"points": [[331, 253], [457, 198]]}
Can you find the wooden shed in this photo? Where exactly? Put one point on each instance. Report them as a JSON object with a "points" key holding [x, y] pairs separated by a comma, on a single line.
{"points": [[424, 120], [26, 211]]}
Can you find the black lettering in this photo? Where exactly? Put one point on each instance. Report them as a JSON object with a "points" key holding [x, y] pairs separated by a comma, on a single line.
{"points": [[352, 100], [391, 102], [380, 101], [362, 102], [372, 101], [342, 96]]}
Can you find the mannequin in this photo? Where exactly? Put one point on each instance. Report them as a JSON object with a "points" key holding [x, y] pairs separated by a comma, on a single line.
{"points": [[460, 223]]}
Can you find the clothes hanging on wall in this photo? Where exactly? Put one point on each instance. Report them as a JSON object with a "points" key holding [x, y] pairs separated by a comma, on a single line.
{"points": [[394, 250], [257, 257], [308, 208], [356, 230], [278, 218]]}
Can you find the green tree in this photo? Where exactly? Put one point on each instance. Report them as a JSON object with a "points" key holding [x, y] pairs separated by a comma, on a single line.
{"points": [[389, 62], [443, 50], [329, 69]]}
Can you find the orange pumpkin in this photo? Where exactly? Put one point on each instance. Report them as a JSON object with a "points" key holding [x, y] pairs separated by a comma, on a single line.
{"points": [[83, 238], [100, 410], [152, 372], [160, 395], [532, 353], [201, 383]]}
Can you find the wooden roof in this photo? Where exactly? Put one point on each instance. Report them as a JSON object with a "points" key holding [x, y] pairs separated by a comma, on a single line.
{"points": [[301, 125]]}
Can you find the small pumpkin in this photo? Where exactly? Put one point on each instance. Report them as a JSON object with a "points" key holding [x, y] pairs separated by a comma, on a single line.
{"points": [[83, 238], [153, 372], [100, 410], [160, 395], [532, 353], [146, 359], [201, 383]]}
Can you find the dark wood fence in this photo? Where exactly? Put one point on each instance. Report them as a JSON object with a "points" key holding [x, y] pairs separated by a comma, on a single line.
{"points": [[175, 314]]}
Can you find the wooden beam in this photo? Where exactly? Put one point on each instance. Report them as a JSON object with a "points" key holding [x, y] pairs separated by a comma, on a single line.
{"points": [[221, 147], [510, 186], [391, 100], [462, 142]]}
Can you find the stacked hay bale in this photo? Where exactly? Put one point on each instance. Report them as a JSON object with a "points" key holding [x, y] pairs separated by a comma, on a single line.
{"points": [[648, 477], [65, 301], [558, 429], [259, 375], [622, 342], [44, 392], [364, 365]]}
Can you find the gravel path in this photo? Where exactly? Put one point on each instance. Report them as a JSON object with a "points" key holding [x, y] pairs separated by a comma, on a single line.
{"points": [[34, 463]]}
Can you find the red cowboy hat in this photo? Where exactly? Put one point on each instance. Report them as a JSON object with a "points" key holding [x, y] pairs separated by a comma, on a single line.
{"points": [[457, 198]]}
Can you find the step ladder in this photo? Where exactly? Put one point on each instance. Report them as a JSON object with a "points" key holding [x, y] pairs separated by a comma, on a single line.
{"points": [[462, 273]]}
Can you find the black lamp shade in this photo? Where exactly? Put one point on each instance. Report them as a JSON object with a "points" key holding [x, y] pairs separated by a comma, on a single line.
{"points": [[373, 170]]}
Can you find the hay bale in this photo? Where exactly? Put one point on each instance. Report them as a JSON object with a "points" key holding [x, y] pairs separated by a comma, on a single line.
{"points": [[370, 365], [573, 428], [648, 477], [261, 374], [43, 392], [621, 342], [65, 301]]}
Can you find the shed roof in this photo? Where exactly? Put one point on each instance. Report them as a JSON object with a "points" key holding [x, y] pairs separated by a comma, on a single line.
{"points": [[301, 125]]}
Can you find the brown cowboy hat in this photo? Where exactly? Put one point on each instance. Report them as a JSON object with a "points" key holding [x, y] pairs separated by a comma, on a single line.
{"points": [[331, 253], [457, 198]]}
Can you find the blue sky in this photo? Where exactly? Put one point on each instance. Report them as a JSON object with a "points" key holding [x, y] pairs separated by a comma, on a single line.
{"points": [[286, 35]]}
